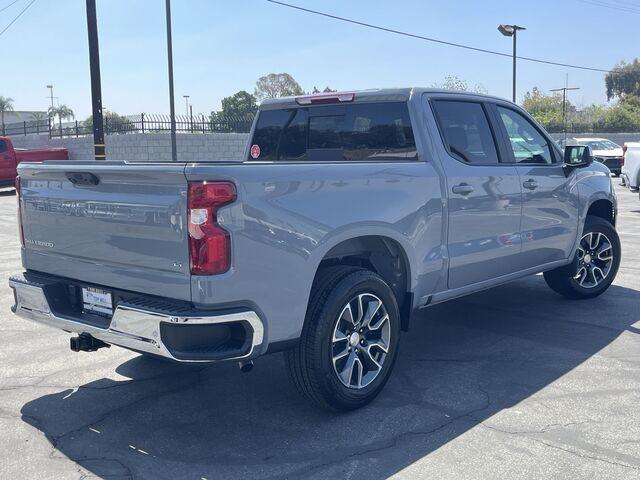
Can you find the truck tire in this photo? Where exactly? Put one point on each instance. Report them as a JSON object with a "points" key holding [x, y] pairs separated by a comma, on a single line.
{"points": [[595, 265], [349, 341]]}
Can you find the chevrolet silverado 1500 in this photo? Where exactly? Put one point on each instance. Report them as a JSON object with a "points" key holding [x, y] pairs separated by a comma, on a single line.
{"points": [[349, 212]]}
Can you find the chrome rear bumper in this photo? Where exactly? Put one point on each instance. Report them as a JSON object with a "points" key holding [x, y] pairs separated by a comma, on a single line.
{"points": [[133, 327]]}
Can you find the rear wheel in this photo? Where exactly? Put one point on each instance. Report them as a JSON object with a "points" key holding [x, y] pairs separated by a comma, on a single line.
{"points": [[595, 265], [350, 339]]}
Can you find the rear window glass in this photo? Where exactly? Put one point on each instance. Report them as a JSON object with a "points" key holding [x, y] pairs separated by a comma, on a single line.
{"points": [[3, 146], [354, 132]]}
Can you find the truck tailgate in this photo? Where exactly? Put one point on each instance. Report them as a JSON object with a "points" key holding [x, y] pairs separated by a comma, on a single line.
{"points": [[121, 225]]}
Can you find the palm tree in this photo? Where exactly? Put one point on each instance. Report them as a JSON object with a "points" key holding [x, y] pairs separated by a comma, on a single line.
{"points": [[6, 105], [62, 112]]}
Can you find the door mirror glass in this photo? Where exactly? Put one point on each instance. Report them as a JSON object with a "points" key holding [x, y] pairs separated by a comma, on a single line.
{"points": [[577, 155]]}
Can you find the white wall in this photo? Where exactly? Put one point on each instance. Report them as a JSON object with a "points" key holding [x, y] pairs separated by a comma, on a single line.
{"points": [[145, 147]]}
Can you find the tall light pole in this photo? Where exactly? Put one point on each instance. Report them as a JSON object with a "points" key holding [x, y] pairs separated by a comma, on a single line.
{"points": [[186, 103], [50, 87], [172, 107], [512, 31]]}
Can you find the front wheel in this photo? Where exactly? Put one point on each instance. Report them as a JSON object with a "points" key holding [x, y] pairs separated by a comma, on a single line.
{"points": [[350, 339], [595, 265]]}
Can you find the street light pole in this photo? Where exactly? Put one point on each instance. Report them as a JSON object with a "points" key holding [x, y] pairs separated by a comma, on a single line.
{"points": [[515, 56], [512, 31], [96, 86], [172, 109], [186, 103], [50, 87]]}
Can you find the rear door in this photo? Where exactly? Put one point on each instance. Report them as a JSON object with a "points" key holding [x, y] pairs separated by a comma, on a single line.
{"points": [[484, 195], [550, 199], [121, 225]]}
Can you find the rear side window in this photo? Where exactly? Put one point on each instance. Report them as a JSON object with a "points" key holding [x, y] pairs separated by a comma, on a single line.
{"points": [[334, 133], [3, 146], [466, 131]]}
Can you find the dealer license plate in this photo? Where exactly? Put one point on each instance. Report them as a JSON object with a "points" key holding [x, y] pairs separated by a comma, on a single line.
{"points": [[97, 301]]}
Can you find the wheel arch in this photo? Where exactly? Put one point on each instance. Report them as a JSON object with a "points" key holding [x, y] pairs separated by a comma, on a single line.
{"points": [[603, 208], [380, 253]]}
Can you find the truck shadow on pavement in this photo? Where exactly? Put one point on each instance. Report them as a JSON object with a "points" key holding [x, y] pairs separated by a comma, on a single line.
{"points": [[462, 362]]}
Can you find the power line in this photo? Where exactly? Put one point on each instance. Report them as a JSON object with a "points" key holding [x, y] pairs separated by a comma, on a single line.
{"points": [[17, 17], [12, 3], [434, 40], [621, 7]]}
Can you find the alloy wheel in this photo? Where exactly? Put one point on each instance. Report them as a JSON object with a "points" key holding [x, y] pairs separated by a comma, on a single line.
{"points": [[361, 340], [595, 258]]}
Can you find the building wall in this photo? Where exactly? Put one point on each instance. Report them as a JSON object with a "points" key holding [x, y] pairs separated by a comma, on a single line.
{"points": [[148, 147], [17, 116]]}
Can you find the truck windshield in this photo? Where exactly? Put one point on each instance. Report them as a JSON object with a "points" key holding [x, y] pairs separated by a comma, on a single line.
{"points": [[334, 133]]}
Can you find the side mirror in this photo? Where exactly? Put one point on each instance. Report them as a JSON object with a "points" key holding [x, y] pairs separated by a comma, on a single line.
{"points": [[577, 156]]}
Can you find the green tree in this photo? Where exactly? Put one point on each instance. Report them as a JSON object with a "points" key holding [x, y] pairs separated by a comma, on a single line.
{"points": [[326, 90], [623, 80], [113, 123], [62, 112], [277, 85], [453, 82], [547, 109], [622, 117], [239, 104], [6, 105]]}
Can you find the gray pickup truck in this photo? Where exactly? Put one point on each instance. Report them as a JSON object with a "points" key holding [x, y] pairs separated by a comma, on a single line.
{"points": [[349, 212]]}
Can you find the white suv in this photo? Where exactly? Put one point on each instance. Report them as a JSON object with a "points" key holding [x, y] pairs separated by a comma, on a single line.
{"points": [[604, 151]]}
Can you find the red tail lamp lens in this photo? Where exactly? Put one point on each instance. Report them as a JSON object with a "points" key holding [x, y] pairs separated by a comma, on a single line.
{"points": [[209, 243]]}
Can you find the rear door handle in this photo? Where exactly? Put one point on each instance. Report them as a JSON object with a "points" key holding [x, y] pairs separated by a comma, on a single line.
{"points": [[531, 184], [462, 189]]}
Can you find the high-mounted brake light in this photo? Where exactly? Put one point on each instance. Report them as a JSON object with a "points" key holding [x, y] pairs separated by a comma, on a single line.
{"points": [[624, 154], [209, 243], [18, 192], [323, 98]]}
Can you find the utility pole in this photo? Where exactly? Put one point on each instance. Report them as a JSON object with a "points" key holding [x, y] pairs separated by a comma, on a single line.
{"points": [[172, 109], [512, 31], [564, 91], [96, 86]]}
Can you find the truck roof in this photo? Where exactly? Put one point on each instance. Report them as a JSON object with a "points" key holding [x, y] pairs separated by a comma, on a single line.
{"points": [[372, 95]]}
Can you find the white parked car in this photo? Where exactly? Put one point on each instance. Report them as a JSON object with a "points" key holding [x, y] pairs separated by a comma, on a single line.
{"points": [[631, 165], [604, 151]]}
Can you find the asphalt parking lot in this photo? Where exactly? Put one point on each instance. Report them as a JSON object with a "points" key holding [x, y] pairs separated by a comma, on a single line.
{"points": [[515, 382]]}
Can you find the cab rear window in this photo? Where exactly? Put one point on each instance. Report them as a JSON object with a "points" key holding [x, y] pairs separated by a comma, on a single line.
{"points": [[334, 133]]}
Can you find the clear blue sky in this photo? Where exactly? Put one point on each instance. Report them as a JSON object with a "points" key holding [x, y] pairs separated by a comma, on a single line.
{"points": [[222, 46]]}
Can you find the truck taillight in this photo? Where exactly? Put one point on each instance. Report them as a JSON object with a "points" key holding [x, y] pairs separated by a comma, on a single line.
{"points": [[209, 243], [18, 191], [624, 153]]}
